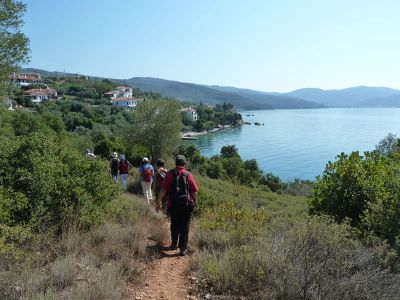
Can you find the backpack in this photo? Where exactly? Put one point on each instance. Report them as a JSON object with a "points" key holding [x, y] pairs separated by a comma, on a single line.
{"points": [[115, 165], [179, 189], [123, 167], [147, 174]]}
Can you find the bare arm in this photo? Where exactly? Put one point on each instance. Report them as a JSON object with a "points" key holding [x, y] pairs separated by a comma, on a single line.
{"points": [[160, 197], [194, 197]]}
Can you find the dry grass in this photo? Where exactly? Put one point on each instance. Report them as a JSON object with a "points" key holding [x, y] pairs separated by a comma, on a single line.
{"points": [[88, 265], [63, 271], [308, 259]]}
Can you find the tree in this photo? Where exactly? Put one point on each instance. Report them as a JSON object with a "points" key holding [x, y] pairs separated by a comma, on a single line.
{"points": [[388, 145], [365, 190], [229, 151], [14, 45], [349, 186], [156, 125]]}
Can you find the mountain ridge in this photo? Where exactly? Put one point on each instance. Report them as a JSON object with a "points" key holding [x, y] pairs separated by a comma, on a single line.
{"points": [[248, 99]]}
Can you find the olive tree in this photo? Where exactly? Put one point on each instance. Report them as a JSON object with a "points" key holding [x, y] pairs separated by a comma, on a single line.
{"points": [[14, 45], [156, 125]]}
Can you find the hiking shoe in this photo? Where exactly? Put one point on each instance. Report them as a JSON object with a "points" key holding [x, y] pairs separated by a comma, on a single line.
{"points": [[182, 253], [172, 247]]}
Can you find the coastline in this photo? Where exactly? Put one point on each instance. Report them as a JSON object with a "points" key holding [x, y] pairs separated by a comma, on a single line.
{"points": [[195, 133]]}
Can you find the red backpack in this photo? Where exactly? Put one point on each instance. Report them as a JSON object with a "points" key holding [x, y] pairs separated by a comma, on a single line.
{"points": [[123, 167], [147, 174]]}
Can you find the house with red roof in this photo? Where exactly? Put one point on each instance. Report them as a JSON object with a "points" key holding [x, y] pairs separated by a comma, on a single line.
{"points": [[39, 95], [190, 114], [120, 92], [26, 79], [121, 96]]}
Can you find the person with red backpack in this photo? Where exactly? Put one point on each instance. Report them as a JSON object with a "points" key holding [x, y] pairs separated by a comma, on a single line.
{"points": [[146, 177], [124, 167], [181, 189]]}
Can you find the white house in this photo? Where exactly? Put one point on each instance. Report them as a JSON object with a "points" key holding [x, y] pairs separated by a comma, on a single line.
{"points": [[120, 92], [39, 95], [26, 79], [190, 114], [126, 102]]}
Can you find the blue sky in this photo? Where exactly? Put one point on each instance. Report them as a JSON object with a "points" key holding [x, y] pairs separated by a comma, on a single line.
{"points": [[267, 45]]}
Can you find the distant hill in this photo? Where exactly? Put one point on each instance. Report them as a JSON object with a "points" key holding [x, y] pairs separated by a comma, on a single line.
{"points": [[349, 97], [240, 98], [275, 100], [53, 73], [390, 101], [246, 99], [193, 92]]}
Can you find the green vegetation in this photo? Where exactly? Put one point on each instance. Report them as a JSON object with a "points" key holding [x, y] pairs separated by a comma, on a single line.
{"points": [[156, 126], [65, 229], [14, 48], [365, 191], [211, 117]]}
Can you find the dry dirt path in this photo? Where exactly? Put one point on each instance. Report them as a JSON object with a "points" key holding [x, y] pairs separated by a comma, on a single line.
{"points": [[165, 277]]}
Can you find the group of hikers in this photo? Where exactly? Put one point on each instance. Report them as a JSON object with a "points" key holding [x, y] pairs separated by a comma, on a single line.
{"points": [[175, 191]]}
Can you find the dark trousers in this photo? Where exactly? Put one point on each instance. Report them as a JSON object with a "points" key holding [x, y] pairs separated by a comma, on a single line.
{"points": [[180, 223]]}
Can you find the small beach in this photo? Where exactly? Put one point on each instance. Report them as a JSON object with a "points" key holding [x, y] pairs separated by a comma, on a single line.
{"points": [[195, 133]]}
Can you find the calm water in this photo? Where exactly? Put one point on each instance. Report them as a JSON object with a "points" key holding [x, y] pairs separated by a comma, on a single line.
{"points": [[298, 143]]}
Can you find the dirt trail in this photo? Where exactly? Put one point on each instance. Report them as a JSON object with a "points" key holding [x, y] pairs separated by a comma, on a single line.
{"points": [[165, 277]]}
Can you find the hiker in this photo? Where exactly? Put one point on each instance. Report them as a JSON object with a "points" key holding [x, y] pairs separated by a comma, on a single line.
{"points": [[181, 189], [146, 172], [114, 167], [159, 179], [124, 167]]}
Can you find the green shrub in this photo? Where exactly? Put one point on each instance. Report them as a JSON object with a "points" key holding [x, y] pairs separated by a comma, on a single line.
{"points": [[45, 182], [363, 189]]}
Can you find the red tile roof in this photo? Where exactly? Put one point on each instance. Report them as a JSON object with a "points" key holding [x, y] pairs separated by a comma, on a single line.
{"points": [[111, 93], [40, 92], [28, 77], [127, 99], [188, 109]]}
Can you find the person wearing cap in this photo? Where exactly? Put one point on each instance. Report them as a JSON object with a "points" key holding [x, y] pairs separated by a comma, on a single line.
{"points": [[114, 167], [146, 172], [124, 167], [181, 189]]}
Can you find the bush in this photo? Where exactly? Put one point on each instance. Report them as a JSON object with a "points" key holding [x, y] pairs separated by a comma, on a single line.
{"points": [[348, 185], [310, 259], [63, 272], [363, 189]]}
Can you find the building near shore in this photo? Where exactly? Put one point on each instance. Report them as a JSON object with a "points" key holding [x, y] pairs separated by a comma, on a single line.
{"points": [[128, 103], [120, 92], [38, 95], [190, 114]]}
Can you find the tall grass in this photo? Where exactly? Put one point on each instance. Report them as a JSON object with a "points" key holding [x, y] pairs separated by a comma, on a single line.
{"points": [[87, 265]]}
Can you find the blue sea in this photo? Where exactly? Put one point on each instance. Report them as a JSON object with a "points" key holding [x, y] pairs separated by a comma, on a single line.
{"points": [[298, 143]]}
